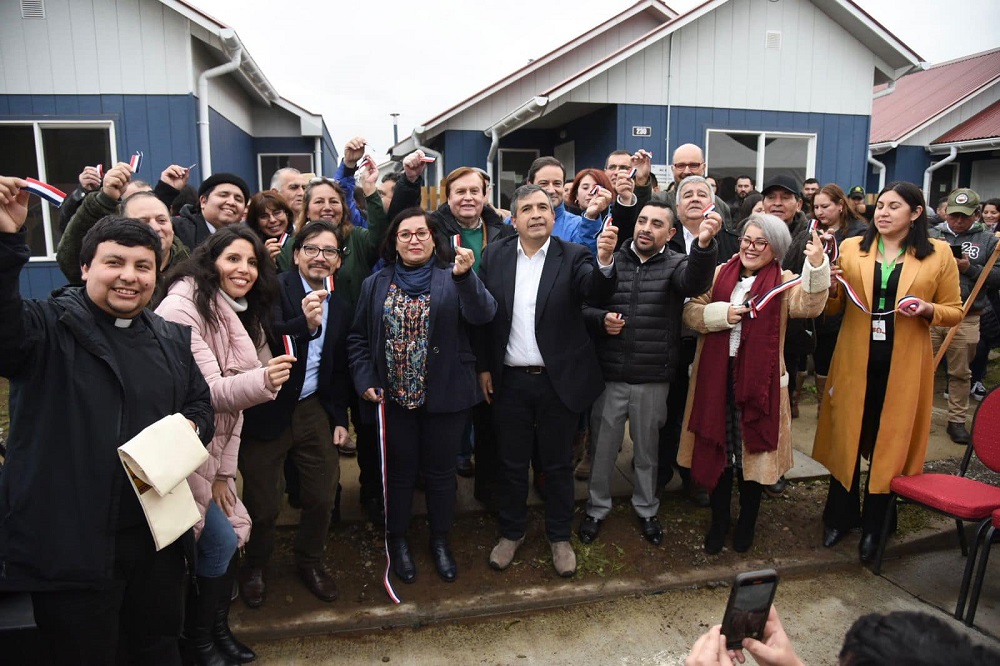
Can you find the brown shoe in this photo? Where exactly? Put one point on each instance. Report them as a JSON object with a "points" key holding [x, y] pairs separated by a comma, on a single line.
{"points": [[252, 586], [503, 553], [563, 558], [319, 582]]}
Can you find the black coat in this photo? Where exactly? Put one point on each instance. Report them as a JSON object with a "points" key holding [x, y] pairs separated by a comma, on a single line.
{"points": [[269, 419], [455, 306], [650, 296], [62, 479], [569, 278], [190, 226]]}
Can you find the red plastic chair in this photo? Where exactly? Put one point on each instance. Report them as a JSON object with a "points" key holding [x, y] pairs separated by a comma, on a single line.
{"points": [[992, 535], [954, 495]]}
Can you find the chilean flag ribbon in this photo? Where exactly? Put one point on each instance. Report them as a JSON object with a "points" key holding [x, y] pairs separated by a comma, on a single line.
{"points": [[135, 161], [328, 284], [829, 245], [289, 344], [905, 302], [53, 195], [756, 305], [385, 500]]}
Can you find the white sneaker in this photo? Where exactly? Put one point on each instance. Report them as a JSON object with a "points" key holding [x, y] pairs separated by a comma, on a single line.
{"points": [[978, 391]]}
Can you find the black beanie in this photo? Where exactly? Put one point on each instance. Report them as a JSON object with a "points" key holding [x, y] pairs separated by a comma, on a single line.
{"points": [[209, 184]]}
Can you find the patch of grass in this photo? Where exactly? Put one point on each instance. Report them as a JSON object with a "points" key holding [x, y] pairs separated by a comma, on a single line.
{"points": [[599, 558]]}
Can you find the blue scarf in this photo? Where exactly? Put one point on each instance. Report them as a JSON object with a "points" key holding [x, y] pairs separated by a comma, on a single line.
{"points": [[414, 280]]}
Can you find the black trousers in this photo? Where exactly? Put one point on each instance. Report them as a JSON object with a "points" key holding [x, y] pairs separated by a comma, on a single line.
{"points": [[527, 410], [135, 620], [670, 433], [418, 440], [843, 510], [487, 456], [369, 461]]}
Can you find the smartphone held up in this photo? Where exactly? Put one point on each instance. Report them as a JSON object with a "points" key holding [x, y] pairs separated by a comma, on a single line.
{"points": [[749, 603]]}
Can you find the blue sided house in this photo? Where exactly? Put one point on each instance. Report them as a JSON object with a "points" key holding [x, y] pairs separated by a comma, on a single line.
{"points": [[87, 82], [764, 86]]}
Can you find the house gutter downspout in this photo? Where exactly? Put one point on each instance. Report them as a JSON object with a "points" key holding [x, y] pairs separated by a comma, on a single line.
{"points": [[494, 148], [204, 138], [952, 154], [881, 170], [318, 155]]}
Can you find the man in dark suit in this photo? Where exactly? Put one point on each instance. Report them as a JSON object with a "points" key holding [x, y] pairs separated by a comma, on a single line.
{"points": [[542, 364], [307, 421]]}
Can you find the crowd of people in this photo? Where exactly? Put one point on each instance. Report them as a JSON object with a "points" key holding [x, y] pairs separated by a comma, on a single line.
{"points": [[276, 322]]}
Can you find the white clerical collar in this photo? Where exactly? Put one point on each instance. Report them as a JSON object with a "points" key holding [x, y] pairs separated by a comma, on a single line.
{"points": [[123, 323]]}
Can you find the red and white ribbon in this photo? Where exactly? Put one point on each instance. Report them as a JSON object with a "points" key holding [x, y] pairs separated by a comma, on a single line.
{"points": [[283, 239], [756, 305], [906, 302], [135, 161], [289, 344], [382, 452], [53, 195], [456, 240], [829, 244], [618, 316], [100, 171], [631, 174], [328, 284], [608, 222], [710, 209], [365, 161], [427, 159]]}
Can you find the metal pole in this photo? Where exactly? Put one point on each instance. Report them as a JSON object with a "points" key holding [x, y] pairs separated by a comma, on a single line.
{"points": [[395, 128]]}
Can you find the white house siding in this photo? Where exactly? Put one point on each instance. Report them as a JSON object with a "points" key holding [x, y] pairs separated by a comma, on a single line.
{"points": [[482, 115], [951, 120], [820, 68], [95, 47]]}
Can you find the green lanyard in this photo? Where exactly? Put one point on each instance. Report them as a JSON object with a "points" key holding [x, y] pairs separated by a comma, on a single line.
{"points": [[887, 268]]}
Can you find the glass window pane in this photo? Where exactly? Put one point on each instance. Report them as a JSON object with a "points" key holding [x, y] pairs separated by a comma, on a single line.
{"points": [[271, 163], [18, 159], [730, 156], [67, 151], [514, 165], [786, 155]]}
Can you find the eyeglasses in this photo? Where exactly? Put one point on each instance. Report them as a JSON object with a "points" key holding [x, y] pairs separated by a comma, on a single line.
{"points": [[313, 251], [323, 180], [273, 215], [405, 236], [758, 244], [688, 166]]}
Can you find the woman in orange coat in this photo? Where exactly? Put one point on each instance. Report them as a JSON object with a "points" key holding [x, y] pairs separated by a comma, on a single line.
{"points": [[877, 403]]}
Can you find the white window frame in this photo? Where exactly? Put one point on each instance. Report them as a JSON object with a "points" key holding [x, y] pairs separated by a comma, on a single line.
{"points": [[37, 126], [762, 138], [260, 168]]}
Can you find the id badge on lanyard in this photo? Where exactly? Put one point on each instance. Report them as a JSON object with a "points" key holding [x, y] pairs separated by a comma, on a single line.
{"points": [[878, 329]]}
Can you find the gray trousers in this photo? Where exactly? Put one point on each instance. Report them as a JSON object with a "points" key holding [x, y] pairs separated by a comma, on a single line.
{"points": [[645, 407]]}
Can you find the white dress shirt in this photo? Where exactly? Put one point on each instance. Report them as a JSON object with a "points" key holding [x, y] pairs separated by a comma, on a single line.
{"points": [[522, 347]]}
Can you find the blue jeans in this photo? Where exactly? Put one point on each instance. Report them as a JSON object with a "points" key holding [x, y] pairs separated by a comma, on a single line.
{"points": [[216, 545]]}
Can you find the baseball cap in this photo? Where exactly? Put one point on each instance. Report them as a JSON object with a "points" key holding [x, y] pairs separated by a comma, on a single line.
{"points": [[856, 192], [783, 182], [963, 201]]}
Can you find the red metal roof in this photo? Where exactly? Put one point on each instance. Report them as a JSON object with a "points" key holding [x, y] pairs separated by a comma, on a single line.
{"points": [[983, 125], [922, 96]]}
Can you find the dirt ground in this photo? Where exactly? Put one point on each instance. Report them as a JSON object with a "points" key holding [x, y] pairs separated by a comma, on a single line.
{"points": [[788, 529]]}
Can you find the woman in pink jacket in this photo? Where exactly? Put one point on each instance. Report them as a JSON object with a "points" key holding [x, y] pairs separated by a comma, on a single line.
{"points": [[224, 292]]}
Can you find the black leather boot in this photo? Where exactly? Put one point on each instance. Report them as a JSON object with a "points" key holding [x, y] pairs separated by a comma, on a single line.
{"points": [[443, 560], [223, 636], [750, 492], [402, 561], [719, 500], [199, 619]]}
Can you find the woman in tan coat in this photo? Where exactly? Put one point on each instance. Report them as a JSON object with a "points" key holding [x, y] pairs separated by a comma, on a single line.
{"points": [[738, 420], [877, 403]]}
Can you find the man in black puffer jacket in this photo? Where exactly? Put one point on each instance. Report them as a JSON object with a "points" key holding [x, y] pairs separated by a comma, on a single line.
{"points": [[638, 338]]}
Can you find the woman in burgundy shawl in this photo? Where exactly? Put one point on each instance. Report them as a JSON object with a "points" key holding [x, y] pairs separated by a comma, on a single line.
{"points": [[738, 422]]}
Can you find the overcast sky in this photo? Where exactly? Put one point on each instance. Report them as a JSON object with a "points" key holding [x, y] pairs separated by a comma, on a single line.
{"points": [[358, 61]]}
